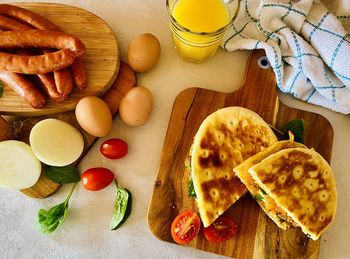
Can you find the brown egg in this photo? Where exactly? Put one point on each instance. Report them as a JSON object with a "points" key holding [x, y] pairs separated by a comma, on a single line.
{"points": [[94, 116], [136, 106], [143, 52]]}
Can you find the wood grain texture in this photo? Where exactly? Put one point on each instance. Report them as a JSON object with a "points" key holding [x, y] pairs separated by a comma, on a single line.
{"points": [[44, 187], [101, 58], [258, 236]]}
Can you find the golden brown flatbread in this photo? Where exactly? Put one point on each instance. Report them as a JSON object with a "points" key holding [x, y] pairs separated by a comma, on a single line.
{"points": [[302, 184], [225, 139], [265, 202]]}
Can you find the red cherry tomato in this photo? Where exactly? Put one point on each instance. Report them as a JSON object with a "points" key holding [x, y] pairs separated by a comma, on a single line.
{"points": [[185, 227], [220, 230], [97, 178], [114, 148]]}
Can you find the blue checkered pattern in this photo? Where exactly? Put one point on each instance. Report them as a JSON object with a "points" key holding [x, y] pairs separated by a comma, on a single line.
{"points": [[306, 45]]}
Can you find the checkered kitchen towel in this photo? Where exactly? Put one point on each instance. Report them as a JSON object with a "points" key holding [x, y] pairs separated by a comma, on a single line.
{"points": [[306, 45]]}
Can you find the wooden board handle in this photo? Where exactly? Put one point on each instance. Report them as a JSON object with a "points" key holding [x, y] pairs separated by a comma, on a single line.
{"points": [[258, 93]]}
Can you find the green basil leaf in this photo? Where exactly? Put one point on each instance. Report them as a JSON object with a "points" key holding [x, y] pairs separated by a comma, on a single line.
{"points": [[1, 88], [258, 197], [49, 220], [121, 210], [128, 209], [297, 127], [191, 190], [64, 174]]}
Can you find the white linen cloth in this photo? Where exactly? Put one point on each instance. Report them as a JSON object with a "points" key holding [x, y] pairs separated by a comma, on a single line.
{"points": [[305, 44]]}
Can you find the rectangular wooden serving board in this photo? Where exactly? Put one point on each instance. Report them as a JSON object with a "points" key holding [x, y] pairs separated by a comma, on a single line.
{"points": [[258, 236]]}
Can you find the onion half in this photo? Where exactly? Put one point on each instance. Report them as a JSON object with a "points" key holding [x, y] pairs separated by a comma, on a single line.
{"points": [[19, 167]]}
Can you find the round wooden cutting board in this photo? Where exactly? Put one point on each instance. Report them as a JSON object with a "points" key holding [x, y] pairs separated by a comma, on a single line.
{"points": [[101, 58]]}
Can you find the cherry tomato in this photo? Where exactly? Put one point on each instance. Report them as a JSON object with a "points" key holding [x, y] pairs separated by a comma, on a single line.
{"points": [[97, 178], [220, 230], [185, 227], [114, 148]]}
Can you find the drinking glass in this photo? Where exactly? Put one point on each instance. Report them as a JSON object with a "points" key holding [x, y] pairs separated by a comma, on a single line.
{"points": [[198, 46]]}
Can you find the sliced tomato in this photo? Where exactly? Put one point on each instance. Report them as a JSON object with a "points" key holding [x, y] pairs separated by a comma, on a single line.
{"points": [[185, 227], [220, 230]]}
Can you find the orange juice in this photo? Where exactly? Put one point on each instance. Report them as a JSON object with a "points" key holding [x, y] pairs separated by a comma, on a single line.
{"points": [[198, 26], [201, 15]]}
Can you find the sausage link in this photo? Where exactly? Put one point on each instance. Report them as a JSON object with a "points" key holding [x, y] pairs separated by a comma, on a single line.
{"points": [[8, 24], [64, 82], [24, 88], [27, 17], [79, 73], [41, 39], [47, 82], [40, 64]]}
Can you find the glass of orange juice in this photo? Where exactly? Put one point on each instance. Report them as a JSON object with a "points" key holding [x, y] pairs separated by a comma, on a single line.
{"points": [[198, 26]]}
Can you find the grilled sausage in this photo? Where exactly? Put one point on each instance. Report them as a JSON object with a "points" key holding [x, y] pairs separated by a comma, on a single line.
{"points": [[24, 88]]}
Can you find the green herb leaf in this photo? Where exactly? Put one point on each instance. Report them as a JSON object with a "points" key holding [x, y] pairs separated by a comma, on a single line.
{"points": [[263, 191], [49, 220], [297, 128], [122, 207], [1, 88], [258, 197], [64, 174], [191, 190]]}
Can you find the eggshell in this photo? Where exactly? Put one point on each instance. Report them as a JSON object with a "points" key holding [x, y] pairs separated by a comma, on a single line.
{"points": [[136, 106], [94, 116], [143, 52]]}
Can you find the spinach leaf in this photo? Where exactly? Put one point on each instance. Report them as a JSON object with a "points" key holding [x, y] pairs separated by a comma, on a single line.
{"points": [[191, 190], [49, 220], [297, 128], [64, 174], [1, 88], [258, 197], [122, 207]]}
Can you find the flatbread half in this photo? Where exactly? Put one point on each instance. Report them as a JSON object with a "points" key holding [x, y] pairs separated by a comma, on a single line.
{"points": [[225, 139], [266, 203], [301, 182]]}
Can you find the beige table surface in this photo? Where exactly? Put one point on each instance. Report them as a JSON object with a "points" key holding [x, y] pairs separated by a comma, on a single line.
{"points": [[85, 233]]}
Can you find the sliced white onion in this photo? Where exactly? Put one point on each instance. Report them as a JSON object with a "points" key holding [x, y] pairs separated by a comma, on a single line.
{"points": [[19, 167], [55, 142]]}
